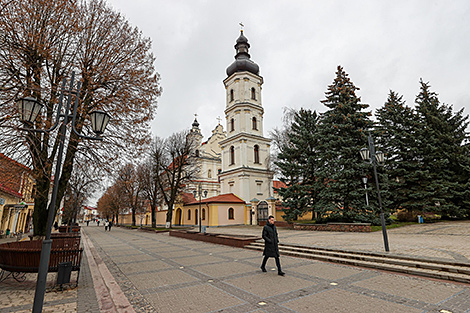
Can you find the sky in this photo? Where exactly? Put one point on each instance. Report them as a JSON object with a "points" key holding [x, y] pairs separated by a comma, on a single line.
{"points": [[382, 45]]}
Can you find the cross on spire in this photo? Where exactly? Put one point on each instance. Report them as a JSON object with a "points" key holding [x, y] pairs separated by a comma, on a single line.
{"points": [[219, 119], [241, 25]]}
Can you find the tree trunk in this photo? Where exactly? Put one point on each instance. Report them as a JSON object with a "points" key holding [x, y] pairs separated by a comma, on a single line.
{"points": [[133, 217]]}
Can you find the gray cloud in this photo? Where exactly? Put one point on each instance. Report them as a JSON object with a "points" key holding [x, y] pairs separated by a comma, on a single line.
{"points": [[298, 44]]}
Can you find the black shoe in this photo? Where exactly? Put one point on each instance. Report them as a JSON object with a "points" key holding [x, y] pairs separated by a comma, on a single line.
{"points": [[281, 273], [263, 269]]}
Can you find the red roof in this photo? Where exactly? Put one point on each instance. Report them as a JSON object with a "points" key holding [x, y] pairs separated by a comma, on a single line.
{"points": [[225, 198], [188, 197], [278, 184], [10, 191]]}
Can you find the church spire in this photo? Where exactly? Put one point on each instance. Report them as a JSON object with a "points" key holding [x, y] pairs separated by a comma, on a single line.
{"points": [[242, 58]]}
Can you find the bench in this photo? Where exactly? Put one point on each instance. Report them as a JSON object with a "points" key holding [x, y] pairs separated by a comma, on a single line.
{"points": [[22, 257]]}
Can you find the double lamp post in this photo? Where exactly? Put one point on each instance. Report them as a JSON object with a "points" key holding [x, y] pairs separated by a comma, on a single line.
{"points": [[199, 192], [29, 108], [376, 158]]}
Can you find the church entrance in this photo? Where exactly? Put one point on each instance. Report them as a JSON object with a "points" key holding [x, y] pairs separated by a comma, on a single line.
{"points": [[262, 209], [178, 217]]}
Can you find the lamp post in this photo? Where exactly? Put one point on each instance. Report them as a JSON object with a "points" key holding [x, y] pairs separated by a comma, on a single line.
{"points": [[199, 193], [29, 108], [376, 158], [364, 180]]}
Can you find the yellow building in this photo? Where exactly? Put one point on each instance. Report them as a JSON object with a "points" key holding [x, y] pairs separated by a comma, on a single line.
{"points": [[16, 196]]}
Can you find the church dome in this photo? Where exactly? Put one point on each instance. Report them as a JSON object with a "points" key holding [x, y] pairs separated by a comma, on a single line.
{"points": [[242, 58]]}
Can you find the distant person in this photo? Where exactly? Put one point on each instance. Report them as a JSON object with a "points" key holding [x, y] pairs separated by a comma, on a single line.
{"points": [[98, 223], [110, 225], [106, 224], [87, 222], [271, 248]]}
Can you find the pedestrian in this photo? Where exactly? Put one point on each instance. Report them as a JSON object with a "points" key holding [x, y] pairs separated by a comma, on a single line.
{"points": [[98, 223], [110, 225], [271, 248], [106, 224], [87, 222]]}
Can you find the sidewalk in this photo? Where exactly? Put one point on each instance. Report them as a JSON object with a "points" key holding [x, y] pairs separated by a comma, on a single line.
{"points": [[445, 240], [133, 271]]}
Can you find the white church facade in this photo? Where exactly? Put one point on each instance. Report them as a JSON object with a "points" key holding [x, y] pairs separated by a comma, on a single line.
{"points": [[234, 164]]}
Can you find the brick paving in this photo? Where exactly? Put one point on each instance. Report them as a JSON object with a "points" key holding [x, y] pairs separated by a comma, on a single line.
{"points": [[159, 273]]}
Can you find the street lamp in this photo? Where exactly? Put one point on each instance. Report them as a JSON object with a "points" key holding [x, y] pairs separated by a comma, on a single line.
{"points": [[199, 192], [29, 108], [364, 180], [376, 158]]}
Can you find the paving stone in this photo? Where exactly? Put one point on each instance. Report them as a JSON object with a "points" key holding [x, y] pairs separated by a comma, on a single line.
{"points": [[337, 300], [412, 288], [159, 279], [326, 271], [204, 298]]}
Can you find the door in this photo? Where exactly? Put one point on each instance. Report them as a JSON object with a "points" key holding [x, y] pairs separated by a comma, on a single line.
{"points": [[262, 209]]}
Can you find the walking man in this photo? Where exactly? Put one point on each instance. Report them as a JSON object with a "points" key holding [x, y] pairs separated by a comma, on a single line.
{"points": [[110, 225], [106, 224], [271, 248]]}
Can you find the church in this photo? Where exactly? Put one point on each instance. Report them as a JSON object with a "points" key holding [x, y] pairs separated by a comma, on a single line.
{"points": [[235, 181]]}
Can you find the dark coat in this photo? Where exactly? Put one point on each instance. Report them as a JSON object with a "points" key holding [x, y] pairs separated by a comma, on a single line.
{"points": [[271, 248]]}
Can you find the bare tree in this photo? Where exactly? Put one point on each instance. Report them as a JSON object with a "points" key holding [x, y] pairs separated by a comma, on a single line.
{"points": [[130, 187], [173, 164], [43, 41], [148, 176], [82, 185], [111, 203]]}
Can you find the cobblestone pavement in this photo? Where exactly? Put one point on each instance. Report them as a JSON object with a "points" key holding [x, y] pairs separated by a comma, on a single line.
{"points": [[444, 240], [19, 296], [159, 273]]}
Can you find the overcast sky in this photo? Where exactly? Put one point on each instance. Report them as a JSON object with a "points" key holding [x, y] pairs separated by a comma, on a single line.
{"points": [[382, 45]]}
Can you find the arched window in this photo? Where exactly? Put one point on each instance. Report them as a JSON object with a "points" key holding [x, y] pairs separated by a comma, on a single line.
{"points": [[232, 155], [232, 125], [230, 214], [189, 214], [253, 93], [209, 173], [231, 95], [203, 214], [197, 218], [256, 149], [254, 123]]}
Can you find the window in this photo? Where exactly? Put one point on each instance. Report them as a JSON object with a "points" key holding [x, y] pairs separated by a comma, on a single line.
{"points": [[253, 93], [232, 155], [231, 95], [254, 123], [209, 174], [203, 214], [189, 215], [230, 214], [218, 173], [256, 154], [197, 219], [232, 125]]}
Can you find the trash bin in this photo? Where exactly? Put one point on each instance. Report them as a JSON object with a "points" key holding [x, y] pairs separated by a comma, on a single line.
{"points": [[420, 219], [64, 272]]}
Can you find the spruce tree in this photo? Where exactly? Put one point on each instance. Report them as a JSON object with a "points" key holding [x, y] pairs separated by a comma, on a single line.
{"points": [[396, 131], [444, 161], [298, 164], [343, 132]]}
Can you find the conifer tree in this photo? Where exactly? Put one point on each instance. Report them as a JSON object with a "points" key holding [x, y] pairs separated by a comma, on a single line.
{"points": [[343, 132], [444, 158], [397, 131], [298, 164]]}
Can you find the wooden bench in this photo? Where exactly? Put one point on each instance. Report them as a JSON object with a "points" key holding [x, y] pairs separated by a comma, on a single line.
{"points": [[24, 256]]}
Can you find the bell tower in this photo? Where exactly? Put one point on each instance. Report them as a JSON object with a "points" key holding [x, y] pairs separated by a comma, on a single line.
{"points": [[245, 151]]}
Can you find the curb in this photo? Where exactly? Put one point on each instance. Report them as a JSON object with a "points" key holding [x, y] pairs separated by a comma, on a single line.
{"points": [[109, 294]]}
